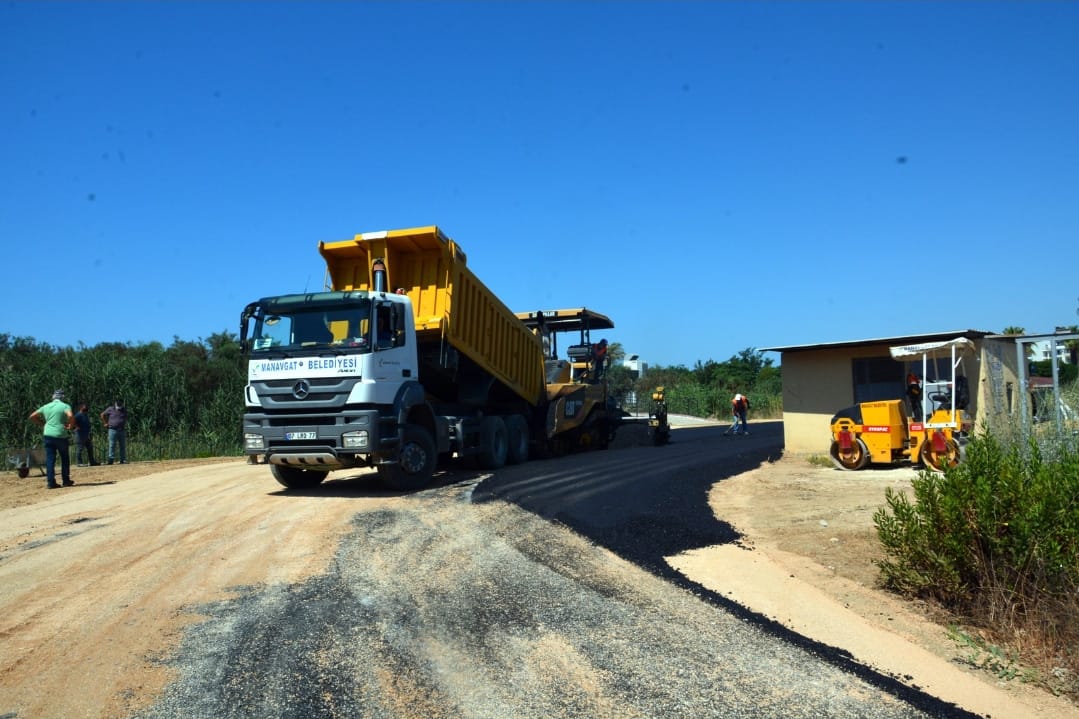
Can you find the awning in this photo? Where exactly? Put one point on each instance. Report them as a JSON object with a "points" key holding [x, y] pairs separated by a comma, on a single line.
{"points": [[961, 344]]}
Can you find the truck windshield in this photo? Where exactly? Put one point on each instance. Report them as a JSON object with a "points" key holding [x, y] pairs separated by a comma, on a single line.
{"points": [[346, 327]]}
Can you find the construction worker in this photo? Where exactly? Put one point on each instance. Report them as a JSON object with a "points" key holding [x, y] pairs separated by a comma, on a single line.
{"points": [[599, 357], [739, 408], [914, 393]]}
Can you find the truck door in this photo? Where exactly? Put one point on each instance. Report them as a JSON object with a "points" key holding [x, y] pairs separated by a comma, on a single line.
{"points": [[389, 326]]}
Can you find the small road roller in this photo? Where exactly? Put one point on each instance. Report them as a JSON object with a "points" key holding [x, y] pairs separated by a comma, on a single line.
{"points": [[933, 431]]}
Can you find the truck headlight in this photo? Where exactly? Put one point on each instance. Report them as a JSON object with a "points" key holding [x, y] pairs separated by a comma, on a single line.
{"points": [[354, 440], [254, 441]]}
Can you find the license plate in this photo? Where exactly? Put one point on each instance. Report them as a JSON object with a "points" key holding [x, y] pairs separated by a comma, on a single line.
{"points": [[301, 435]]}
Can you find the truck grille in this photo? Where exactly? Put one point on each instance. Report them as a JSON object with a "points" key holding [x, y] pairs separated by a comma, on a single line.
{"points": [[304, 395], [314, 382]]}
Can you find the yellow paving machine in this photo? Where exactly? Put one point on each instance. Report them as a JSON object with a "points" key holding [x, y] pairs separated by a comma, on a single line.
{"points": [[580, 412], [930, 431]]}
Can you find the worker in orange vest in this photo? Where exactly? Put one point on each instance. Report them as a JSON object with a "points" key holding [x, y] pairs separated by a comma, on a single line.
{"points": [[599, 356], [914, 393], [739, 408]]}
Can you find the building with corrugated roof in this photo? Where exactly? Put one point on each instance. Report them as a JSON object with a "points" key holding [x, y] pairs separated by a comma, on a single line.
{"points": [[821, 379]]}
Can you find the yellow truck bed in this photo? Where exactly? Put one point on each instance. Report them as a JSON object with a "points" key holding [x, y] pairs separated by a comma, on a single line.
{"points": [[449, 303]]}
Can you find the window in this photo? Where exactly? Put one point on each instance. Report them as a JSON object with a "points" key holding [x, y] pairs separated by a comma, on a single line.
{"points": [[289, 326], [877, 378]]}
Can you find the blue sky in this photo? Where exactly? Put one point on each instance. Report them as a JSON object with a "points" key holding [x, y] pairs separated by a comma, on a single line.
{"points": [[712, 175]]}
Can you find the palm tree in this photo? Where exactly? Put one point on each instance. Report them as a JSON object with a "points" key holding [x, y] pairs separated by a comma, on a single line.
{"points": [[616, 352], [1013, 330]]}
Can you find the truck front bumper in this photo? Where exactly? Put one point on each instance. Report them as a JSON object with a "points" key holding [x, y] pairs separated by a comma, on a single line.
{"points": [[323, 441]]}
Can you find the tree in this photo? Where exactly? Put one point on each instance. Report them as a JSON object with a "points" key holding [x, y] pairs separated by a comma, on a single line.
{"points": [[707, 373], [660, 376], [1017, 331], [616, 352], [770, 381], [1044, 368], [620, 382], [740, 372]]}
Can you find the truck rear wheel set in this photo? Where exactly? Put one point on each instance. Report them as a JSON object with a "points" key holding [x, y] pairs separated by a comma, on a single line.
{"points": [[517, 428], [493, 443], [502, 441]]}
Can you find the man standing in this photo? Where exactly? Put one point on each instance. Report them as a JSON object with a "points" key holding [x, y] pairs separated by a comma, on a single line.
{"points": [[599, 356], [57, 419], [914, 393], [84, 439], [115, 419]]}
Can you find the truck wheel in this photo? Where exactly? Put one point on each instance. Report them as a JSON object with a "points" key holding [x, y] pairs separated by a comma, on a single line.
{"points": [[494, 443], [417, 463], [854, 458], [517, 429], [296, 478], [939, 461]]}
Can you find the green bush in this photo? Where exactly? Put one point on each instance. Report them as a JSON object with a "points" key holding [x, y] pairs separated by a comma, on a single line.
{"points": [[706, 390], [700, 401], [184, 400], [994, 540], [1004, 518]]}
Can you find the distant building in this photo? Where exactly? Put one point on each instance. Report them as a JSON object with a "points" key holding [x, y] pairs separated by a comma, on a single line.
{"points": [[638, 367], [821, 379], [1043, 350], [635, 364]]}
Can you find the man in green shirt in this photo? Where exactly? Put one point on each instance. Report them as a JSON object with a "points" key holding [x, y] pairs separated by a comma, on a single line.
{"points": [[57, 419]]}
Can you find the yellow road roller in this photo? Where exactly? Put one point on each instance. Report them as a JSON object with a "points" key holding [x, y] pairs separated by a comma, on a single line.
{"points": [[881, 433], [884, 432]]}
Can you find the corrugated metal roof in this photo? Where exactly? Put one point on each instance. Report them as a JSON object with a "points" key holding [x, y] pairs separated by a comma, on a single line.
{"points": [[898, 340]]}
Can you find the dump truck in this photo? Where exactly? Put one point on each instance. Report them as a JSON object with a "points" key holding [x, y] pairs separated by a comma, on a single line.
{"points": [[405, 359]]}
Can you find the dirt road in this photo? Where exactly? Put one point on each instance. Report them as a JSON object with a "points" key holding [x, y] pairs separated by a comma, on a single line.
{"points": [[98, 582], [205, 591]]}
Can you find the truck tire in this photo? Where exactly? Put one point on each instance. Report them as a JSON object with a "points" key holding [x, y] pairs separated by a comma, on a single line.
{"points": [[296, 478], [494, 443], [854, 458], [517, 430], [417, 463]]}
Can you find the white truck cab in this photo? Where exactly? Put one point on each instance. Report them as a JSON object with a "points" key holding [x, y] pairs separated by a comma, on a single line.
{"points": [[327, 375]]}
